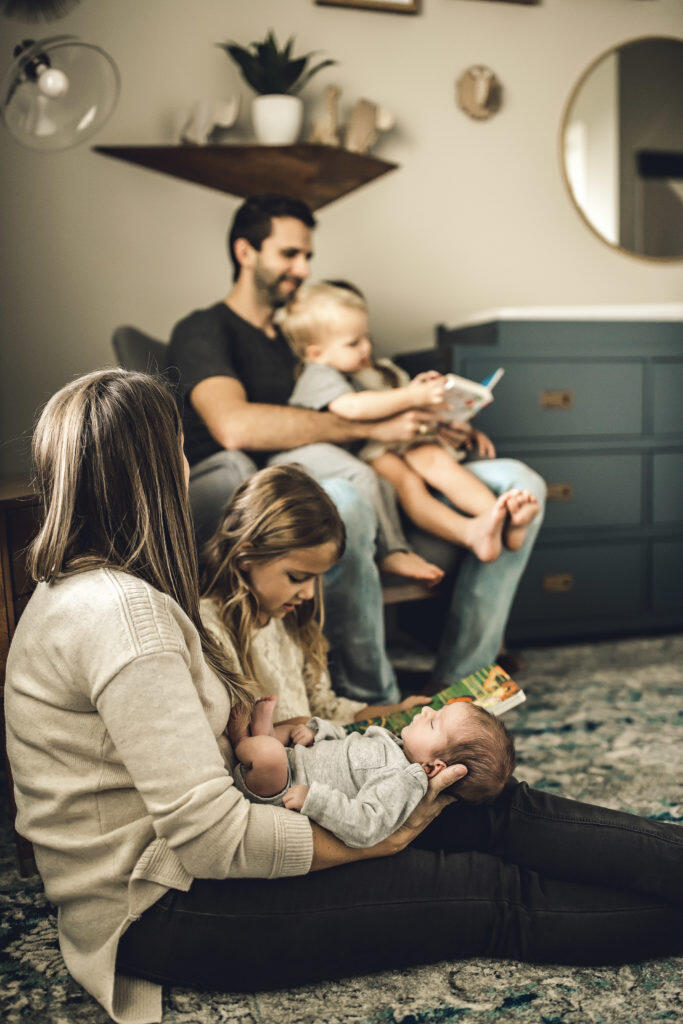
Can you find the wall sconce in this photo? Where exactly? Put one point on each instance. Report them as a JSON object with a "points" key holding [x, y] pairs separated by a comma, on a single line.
{"points": [[58, 92]]}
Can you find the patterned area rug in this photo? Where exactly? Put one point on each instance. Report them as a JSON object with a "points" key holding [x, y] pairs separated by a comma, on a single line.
{"points": [[602, 722]]}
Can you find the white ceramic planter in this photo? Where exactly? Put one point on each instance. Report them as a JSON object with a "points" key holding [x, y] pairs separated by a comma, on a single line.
{"points": [[277, 119]]}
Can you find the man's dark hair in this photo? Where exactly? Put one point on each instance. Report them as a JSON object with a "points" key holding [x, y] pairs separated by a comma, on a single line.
{"points": [[253, 221]]}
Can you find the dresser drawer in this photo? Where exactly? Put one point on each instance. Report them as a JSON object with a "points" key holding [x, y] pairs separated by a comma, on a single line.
{"points": [[561, 398], [580, 582], [667, 487], [667, 575], [590, 490], [667, 389]]}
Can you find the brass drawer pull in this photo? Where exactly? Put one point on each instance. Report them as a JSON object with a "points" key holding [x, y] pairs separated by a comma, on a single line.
{"points": [[557, 399], [560, 492], [557, 583]]}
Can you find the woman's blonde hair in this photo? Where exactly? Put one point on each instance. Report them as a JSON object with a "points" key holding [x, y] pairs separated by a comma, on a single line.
{"points": [[107, 451], [276, 511], [314, 308]]}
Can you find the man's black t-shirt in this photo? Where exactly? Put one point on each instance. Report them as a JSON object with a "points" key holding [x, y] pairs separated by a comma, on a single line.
{"points": [[216, 342]]}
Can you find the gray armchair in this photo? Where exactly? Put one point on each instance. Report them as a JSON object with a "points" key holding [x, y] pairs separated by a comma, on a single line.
{"points": [[135, 350]]}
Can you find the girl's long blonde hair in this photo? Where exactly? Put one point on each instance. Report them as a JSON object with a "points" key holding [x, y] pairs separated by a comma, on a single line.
{"points": [[276, 511], [107, 451]]}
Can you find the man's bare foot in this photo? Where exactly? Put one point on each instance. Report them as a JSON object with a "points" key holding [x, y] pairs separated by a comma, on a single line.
{"points": [[261, 723], [522, 509], [407, 563], [484, 536]]}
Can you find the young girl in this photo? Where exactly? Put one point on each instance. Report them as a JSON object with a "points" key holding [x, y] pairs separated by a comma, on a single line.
{"points": [[327, 326], [263, 595], [117, 703]]}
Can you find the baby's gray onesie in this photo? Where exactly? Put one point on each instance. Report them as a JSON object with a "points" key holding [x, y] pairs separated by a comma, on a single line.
{"points": [[361, 786]]}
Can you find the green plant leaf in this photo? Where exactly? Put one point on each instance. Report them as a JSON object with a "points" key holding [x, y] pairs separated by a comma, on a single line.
{"points": [[267, 69], [313, 71]]}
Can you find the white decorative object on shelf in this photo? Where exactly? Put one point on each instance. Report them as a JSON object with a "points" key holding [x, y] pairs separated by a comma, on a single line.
{"points": [[367, 120], [479, 92], [205, 116], [326, 126], [277, 119]]}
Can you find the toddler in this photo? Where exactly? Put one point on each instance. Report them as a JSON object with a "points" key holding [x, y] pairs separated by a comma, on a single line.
{"points": [[363, 786], [327, 327]]}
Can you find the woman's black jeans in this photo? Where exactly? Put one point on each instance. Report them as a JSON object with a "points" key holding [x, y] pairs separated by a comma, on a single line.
{"points": [[531, 877]]}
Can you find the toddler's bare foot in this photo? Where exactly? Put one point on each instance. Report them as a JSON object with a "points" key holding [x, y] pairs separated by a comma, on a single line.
{"points": [[262, 716], [407, 563], [522, 508], [485, 532]]}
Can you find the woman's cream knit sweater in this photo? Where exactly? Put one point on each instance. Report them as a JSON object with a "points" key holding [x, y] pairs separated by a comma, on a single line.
{"points": [[115, 733]]}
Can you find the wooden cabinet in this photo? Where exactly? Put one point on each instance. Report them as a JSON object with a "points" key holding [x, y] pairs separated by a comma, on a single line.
{"points": [[595, 407], [18, 521]]}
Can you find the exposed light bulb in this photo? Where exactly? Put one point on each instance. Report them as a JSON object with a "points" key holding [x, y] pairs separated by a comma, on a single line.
{"points": [[53, 83]]}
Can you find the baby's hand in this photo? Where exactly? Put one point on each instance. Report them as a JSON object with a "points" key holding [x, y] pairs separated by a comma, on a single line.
{"points": [[295, 797], [302, 735]]}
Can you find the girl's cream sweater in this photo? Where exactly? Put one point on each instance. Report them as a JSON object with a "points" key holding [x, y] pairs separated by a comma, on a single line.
{"points": [[279, 668], [116, 737]]}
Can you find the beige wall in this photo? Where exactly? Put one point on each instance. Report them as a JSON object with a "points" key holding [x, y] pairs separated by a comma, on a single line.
{"points": [[476, 218]]}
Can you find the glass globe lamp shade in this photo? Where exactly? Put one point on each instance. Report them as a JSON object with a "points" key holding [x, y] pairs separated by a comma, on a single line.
{"points": [[58, 93]]}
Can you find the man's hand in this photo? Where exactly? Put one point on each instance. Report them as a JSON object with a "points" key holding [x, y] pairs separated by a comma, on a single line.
{"points": [[302, 735], [295, 797], [457, 434], [483, 445], [407, 426]]}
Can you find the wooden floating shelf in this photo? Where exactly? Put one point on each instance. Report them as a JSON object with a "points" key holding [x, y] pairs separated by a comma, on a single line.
{"points": [[313, 173]]}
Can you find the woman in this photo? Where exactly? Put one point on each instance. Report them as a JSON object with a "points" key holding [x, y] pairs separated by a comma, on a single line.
{"points": [[117, 702], [263, 598]]}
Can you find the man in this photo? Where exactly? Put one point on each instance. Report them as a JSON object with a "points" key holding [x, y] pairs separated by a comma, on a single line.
{"points": [[237, 373]]}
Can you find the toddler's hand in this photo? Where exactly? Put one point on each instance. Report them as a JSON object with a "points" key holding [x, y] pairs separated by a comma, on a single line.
{"points": [[427, 388], [295, 797], [302, 735]]}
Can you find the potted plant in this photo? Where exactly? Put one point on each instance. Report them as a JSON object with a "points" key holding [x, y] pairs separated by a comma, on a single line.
{"points": [[276, 76]]}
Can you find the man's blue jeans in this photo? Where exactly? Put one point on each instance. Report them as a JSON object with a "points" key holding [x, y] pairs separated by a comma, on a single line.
{"points": [[483, 592]]}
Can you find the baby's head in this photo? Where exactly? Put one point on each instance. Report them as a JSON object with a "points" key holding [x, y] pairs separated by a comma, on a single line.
{"points": [[462, 733], [328, 323]]}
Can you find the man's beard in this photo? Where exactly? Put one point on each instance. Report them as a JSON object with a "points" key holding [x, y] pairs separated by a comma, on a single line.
{"points": [[268, 288]]}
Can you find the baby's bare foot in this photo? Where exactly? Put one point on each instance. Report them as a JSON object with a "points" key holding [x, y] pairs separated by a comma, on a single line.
{"points": [[238, 724], [522, 508], [262, 716], [485, 532], [407, 563]]}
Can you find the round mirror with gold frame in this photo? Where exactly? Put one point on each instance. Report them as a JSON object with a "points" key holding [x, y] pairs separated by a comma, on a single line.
{"points": [[621, 147]]}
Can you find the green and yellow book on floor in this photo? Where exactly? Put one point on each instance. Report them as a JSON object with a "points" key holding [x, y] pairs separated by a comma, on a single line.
{"points": [[489, 687]]}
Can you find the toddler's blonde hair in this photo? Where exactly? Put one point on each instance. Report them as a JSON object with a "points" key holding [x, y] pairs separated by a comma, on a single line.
{"points": [[314, 308]]}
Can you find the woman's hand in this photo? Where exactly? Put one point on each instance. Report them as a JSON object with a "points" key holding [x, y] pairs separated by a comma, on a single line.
{"points": [[429, 807], [382, 710], [329, 852]]}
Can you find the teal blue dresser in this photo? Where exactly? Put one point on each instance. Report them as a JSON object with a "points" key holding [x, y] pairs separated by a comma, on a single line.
{"points": [[596, 407]]}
